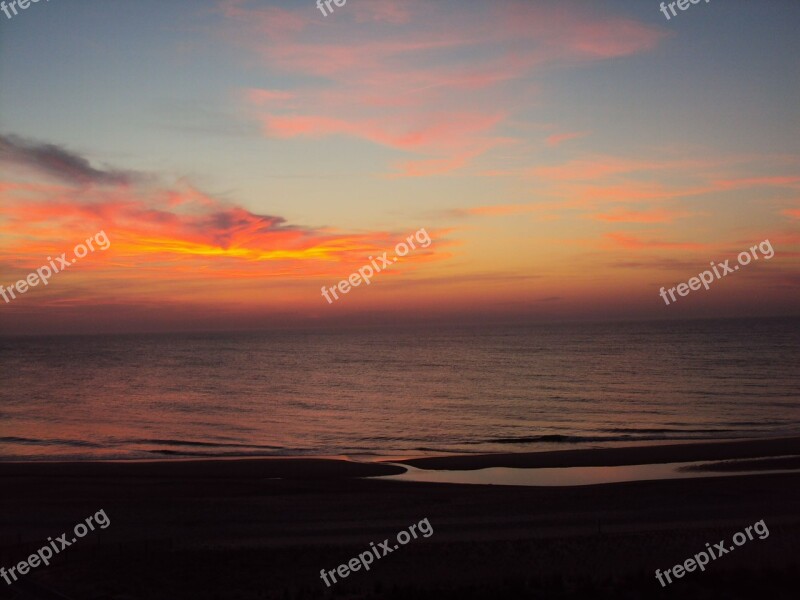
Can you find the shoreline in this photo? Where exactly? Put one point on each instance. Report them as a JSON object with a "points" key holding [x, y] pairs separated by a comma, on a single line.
{"points": [[612, 457], [326, 467], [397, 455]]}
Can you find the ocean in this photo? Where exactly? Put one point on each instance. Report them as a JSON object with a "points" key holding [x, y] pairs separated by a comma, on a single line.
{"points": [[391, 393]]}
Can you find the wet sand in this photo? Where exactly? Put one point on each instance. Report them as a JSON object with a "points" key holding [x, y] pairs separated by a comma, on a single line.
{"points": [[609, 457]]}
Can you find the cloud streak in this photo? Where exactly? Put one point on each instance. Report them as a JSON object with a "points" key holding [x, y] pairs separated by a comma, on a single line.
{"points": [[388, 74], [59, 163]]}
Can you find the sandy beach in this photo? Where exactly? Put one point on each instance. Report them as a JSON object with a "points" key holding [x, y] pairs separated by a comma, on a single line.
{"points": [[264, 529]]}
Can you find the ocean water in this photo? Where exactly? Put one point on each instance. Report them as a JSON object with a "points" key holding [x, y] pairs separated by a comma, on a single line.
{"points": [[397, 393]]}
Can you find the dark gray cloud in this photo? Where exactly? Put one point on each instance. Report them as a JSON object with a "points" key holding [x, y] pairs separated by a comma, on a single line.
{"points": [[58, 162]]}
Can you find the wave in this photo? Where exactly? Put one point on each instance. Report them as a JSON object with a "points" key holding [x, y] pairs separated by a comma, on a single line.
{"points": [[553, 438], [55, 442], [164, 452], [169, 442], [646, 435], [667, 430]]}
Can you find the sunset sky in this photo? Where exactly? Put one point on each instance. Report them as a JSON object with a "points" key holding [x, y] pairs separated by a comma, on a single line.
{"points": [[568, 159]]}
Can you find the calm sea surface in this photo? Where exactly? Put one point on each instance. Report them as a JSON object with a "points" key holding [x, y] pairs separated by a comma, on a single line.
{"points": [[503, 389]]}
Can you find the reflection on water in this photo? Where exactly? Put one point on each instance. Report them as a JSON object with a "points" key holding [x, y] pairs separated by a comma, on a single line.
{"points": [[566, 476], [373, 392]]}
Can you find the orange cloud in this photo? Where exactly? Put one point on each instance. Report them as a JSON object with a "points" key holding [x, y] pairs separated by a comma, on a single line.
{"points": [[498, 210], [628, 242], [649, 216], [607, 180], [600, 167], [748, 182], [792, 212], [175, 244], [175, 225]]}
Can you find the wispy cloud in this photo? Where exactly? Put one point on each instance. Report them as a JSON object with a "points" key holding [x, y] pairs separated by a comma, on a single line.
{"points": [[792, 212], [629, 242], [58, 162], [556, 139], [655, 215], [400, 82]]}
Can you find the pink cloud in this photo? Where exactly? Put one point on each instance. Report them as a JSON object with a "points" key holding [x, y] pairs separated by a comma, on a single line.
{"points": [[389, 11], [390, 73], [603, 181], [436, 132], [557, 139], [273, 98], [271, 21], [611, 39]]}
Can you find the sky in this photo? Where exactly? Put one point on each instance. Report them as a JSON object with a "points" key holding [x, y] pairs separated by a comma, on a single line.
{"points": [[566, 159]]}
